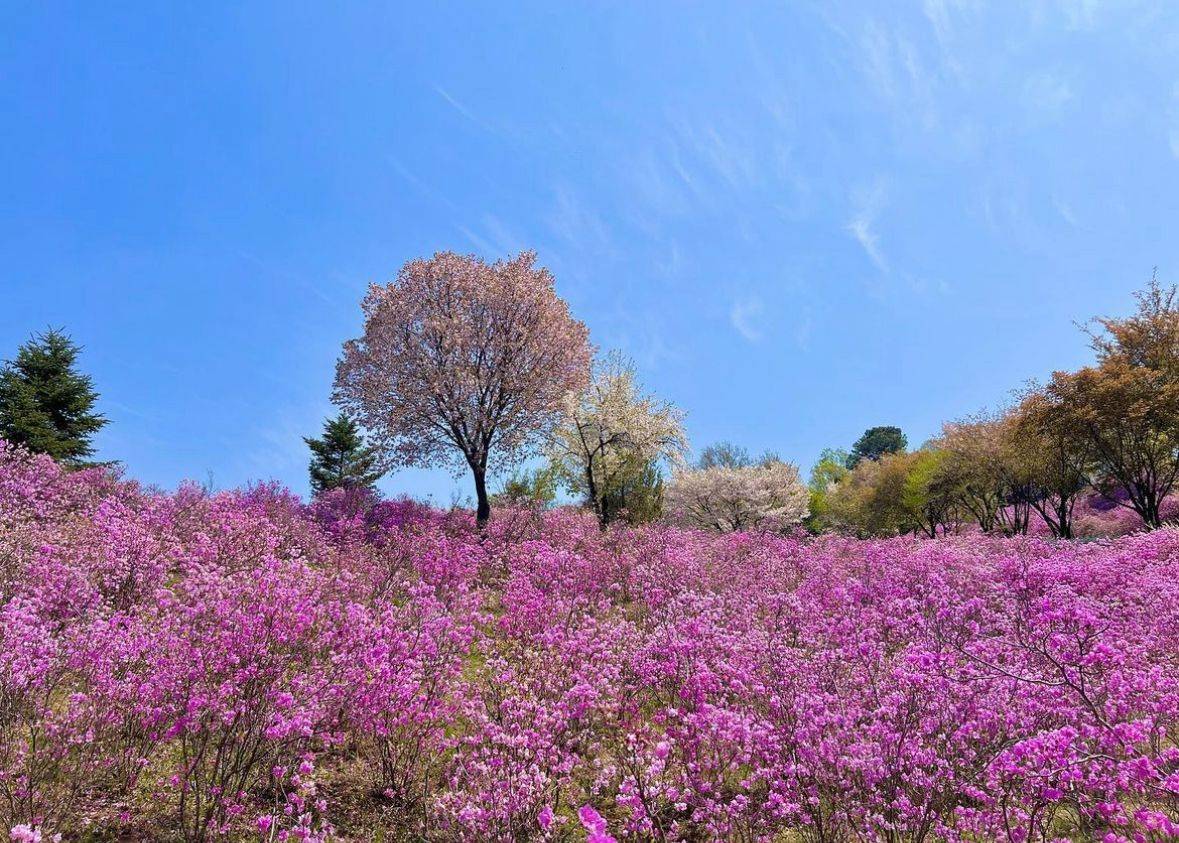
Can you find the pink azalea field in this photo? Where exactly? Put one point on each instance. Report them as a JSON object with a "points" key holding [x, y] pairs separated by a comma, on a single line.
{"points": [[244, 665]]}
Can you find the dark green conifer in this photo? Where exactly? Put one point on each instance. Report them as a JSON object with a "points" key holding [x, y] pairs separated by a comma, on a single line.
{"points": [[46, 405], [340, 459]]}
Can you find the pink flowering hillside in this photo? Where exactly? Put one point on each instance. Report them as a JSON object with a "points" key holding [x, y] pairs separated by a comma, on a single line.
{"points": [[245, 666]]}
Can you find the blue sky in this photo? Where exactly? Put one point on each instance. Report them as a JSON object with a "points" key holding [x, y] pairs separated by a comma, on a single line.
{"points": [[799, 219]]}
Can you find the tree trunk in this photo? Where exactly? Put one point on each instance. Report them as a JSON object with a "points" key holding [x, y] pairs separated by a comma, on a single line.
{"points": [[598, 506], [1146, 504], [483, 506], [1064, 520]]}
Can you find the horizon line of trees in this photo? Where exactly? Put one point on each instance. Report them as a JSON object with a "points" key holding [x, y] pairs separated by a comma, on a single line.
{"points": [[1111, 428], [480, 366]]}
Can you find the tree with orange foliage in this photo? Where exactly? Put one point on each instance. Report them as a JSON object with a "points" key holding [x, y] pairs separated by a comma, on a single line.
{"points": [[1125, 410], [1057, 464]]}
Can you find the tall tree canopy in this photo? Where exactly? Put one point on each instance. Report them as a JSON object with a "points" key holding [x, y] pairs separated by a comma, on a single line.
{"points": [[724, 455], [875, 443], [47, 405], [989, 472], [463, 361], [609, 436], [1125, 409], [1058, 464], [826, 474], [899, 493], [1128, 417], [340, 459]]}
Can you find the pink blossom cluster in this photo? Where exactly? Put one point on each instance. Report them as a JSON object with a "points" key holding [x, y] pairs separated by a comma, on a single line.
{"points": [[247, 666]]}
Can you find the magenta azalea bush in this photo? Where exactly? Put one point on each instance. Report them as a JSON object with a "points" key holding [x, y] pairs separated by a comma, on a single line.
{"points": [[247, 666]]}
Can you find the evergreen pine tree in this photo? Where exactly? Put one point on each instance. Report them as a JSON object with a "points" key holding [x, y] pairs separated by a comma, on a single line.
{"points": [[340, 459], [45, 404]]}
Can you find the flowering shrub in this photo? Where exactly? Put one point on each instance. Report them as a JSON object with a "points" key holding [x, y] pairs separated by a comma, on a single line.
{"points": [[246, 666]]}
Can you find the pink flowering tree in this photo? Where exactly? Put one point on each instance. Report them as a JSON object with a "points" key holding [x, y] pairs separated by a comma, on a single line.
{"points": [[463, 361]]}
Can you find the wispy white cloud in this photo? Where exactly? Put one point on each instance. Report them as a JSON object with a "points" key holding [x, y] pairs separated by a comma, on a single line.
{"points": [[876, 49], [719, 151], [1065, 210], [670, 266], [463, 109], [867, 204], [1047, 92], [706, 161], [938, 15], [660, 186], [299, 281], [279, 448], [1009, 208], [128, 410], [493, 238], [643, 336], [1080, 14], [905, 79], [426, 190], [501, 130], [941, 16], [576, 224], [745, 315], [478, 241]]}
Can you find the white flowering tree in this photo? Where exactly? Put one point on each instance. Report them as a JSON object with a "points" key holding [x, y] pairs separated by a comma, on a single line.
{"points": [[611, 428], [726, 498]]}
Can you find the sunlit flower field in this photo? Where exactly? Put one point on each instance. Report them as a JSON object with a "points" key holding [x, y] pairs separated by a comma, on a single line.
{"points": [[244, 665]]}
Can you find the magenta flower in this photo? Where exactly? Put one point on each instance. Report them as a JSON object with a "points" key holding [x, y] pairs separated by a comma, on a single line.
{"points": [[744, 686]]}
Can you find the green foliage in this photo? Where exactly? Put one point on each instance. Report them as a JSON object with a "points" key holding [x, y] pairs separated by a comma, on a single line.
{"points": [[634, 494], [868, 501], [826, 474], [875, 443], [927, 497], [340, 459], [829, 469], [45, 404], [898, 493], [530, 488]]}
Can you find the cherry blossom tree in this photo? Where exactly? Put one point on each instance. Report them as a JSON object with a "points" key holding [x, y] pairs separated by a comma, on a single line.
{"points": [[463, 362], [765, 496], [609, 428]]}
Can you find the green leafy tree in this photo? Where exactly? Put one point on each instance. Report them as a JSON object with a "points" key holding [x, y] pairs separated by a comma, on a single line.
{"points": [[634, 494], [827, 473], [928, 498], [611, 440], [46, 405], [875, 443], [340, 459], [537, 487], [1059, 465], [869, 501]]}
